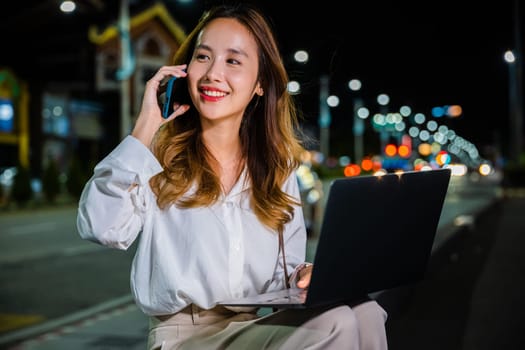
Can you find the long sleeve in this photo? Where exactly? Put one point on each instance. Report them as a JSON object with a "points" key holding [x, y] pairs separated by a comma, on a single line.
{"points": [[113, 202]]}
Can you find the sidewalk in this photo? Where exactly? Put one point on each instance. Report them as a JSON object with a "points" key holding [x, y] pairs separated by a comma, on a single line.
{"points": [[116, 328], [453, 305]]}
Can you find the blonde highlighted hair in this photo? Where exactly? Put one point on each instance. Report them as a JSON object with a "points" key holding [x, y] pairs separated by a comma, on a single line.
{"points": [[269, 135]]}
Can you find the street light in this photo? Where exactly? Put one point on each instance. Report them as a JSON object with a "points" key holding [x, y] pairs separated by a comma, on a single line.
{"points": [[68, 6], [301, 56], [294, 87]]}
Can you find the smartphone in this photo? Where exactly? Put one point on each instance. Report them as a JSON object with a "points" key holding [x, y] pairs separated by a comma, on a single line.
{"points": [[174, 90]]}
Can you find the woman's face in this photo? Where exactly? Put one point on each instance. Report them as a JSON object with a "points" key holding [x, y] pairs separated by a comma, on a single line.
{"points": [[223, 71]]}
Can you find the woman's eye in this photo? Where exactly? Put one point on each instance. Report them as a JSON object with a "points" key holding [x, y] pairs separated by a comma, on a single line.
{"points": [[233, 61], [201, 57]]}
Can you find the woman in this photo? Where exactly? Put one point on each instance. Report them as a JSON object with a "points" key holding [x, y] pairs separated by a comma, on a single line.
{"points": [[212, 190]]}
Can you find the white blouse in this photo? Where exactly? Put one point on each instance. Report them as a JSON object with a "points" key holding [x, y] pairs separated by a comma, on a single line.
{"points": [[199, 255]]}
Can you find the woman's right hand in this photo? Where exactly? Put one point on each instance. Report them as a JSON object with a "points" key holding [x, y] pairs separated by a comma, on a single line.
{"points": [[304, 276], [300, 278], [150, 117]]}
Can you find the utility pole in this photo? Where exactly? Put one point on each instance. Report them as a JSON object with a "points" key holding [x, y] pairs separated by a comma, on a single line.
{"points": [[358, 130], [325, 118], [516, 93], [126, 68]]}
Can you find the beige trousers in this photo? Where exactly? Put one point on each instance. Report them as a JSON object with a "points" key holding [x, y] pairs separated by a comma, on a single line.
{"points": [[336, 327]]}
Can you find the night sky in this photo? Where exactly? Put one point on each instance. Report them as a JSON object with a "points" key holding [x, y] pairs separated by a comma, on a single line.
{"points": [[423, 54]]}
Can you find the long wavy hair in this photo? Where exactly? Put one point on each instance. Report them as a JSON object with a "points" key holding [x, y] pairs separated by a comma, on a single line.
{"points": [[269, 134]]}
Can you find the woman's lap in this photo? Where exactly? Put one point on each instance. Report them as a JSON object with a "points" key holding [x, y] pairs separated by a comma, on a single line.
{"points": [[359, 327]]}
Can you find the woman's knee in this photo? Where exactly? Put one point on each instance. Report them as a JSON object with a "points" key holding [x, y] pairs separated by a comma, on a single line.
{"points": [[371, 318], [343, 320], [370, 312]]}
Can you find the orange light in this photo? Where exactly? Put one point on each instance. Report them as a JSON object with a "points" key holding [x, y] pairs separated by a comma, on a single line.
{"points": [[404, 151], [454, 111], [424, 149], [390, 150], [352, 170], [367, 164]]}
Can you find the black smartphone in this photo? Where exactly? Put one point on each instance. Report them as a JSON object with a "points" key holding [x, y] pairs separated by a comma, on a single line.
{"points": [[174, 90]]}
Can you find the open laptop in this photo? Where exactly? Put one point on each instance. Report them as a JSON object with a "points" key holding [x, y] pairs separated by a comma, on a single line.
{"points": [[377, 233]]}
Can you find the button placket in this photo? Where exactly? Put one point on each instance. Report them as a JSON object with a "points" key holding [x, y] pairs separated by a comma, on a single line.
{"points": [[236, 254]]}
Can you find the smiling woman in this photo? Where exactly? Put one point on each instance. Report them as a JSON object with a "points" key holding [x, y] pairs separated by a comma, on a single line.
{"points": [[211, 192]]}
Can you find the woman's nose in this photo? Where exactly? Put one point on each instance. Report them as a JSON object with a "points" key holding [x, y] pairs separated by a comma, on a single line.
{"points": [[215, 71]]}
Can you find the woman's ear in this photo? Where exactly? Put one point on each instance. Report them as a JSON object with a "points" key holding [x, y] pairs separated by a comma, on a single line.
{"points": [[259, 90]]}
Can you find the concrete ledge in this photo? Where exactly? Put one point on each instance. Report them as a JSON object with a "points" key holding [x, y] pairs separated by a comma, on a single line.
{"points": [[41, 328]]}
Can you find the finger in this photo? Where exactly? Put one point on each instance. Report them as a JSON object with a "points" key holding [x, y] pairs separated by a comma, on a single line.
{"points": [[166, 72], [304, 281], [180, 110]]}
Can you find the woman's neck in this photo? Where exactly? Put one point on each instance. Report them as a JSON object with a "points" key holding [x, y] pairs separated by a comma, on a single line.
{"points": [[226, 152]]}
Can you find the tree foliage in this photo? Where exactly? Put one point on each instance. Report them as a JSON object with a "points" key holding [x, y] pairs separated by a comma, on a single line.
{"points": [[22, 192], [51, 181]]}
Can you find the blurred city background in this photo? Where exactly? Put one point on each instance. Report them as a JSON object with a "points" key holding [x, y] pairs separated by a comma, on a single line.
{"points": [[382, 87]]}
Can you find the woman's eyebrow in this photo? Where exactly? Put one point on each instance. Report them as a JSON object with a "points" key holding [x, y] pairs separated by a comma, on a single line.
{"points": [[235, 51]]}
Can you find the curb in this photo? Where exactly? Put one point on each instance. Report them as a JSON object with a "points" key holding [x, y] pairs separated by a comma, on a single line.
{"points": [[49, 326]]}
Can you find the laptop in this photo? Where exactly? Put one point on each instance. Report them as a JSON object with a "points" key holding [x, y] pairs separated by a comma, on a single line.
{"points": [[377, 233]]}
